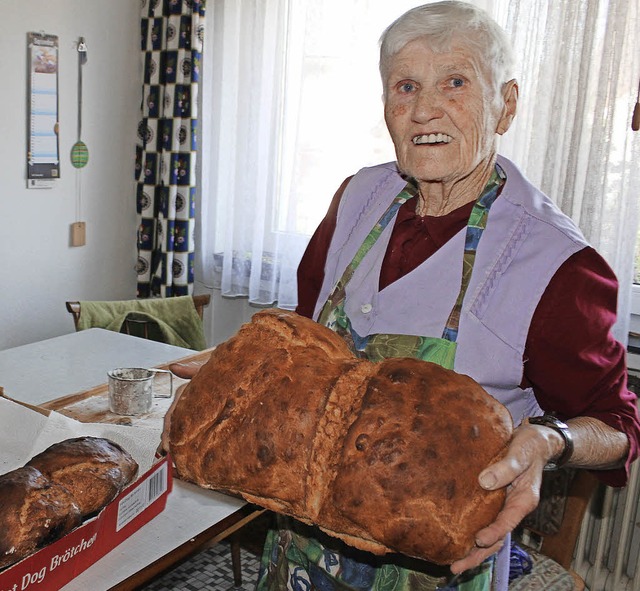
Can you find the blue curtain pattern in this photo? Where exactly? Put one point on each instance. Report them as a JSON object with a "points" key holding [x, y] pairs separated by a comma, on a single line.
{"points": [[172, 34]]}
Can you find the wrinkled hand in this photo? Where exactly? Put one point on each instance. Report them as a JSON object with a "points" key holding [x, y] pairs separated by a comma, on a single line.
{"points": [[185, 369], [520, 470]]}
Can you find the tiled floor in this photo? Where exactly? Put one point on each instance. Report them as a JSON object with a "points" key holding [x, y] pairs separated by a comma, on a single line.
{"points": [[209, 570]]}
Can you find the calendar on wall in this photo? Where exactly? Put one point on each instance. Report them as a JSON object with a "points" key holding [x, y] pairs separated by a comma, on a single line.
{"points": [[43, 152]]}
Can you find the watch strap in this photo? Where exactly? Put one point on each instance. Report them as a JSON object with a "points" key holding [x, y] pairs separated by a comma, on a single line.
{"points": [[563, 429]]}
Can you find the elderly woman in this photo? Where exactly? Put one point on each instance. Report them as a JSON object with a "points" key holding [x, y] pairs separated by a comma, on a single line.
{"points": [[453, 245]]}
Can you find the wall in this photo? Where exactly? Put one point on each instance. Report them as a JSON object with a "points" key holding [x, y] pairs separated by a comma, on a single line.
{"points": [[40, 270], [225, 315]]}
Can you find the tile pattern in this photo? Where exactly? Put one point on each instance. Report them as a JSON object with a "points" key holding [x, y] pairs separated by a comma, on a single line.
{"points": [[209, 570]]}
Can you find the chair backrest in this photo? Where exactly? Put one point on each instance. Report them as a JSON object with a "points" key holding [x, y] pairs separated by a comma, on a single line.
{"points": [[560, 546], [564, 499], [199, 301]]}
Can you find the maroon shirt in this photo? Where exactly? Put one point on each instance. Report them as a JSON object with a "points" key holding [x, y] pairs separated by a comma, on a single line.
{"points": [[571, 360]]}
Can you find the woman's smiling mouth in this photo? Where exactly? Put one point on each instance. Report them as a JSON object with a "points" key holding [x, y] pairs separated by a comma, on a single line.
{"points": [[432, 138]]}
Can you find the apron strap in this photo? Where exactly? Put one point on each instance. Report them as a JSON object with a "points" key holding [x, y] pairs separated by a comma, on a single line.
{"points": [[475, 228]]}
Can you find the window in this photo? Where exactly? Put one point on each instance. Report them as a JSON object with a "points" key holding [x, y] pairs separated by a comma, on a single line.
{"points": [[292, 106], [296, 107], [634, 341]]}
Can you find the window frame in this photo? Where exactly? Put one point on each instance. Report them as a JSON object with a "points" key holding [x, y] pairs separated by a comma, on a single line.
{"points": [[633, 357]]}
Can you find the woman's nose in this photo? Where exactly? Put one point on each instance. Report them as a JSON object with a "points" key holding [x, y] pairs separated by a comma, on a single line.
{"points": [[427, 106]]}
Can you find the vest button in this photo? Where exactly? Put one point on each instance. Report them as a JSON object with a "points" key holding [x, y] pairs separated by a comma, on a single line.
{"points": [[366, 308]]}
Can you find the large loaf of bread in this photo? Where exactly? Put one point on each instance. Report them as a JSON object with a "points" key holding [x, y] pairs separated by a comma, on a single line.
{"points": [[384, 456]]}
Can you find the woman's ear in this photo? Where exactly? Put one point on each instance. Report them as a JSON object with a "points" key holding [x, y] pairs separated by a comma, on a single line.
{"points": [[510, 98]]}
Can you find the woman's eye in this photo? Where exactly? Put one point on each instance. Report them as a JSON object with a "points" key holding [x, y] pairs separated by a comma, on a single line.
{"points": [[456, 82], [407, 87]]}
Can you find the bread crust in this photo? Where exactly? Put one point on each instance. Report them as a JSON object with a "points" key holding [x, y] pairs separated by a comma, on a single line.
{"points": [[94, 470], [33, 513], [384, 456]]}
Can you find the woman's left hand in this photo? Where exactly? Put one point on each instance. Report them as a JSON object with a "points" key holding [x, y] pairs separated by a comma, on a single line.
{"points": [[520, 470]]}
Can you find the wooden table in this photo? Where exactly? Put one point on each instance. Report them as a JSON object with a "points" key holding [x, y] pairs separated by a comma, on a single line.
{"points": [[193, 517]]}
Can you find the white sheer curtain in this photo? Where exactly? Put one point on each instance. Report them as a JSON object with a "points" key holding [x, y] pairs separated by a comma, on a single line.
{"points": [[291, 106], [578, 73]]}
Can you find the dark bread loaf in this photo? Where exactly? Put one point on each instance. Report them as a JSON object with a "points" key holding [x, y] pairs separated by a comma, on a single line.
{"points": [[52, 494], [385, 456], [93, 469], [33, 512]]}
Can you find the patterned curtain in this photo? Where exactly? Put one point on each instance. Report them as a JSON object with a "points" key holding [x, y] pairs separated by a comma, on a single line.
{"points": [[172, 39]]}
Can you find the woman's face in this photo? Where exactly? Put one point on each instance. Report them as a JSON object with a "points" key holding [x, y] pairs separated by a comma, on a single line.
{"points": [[441, 113]]}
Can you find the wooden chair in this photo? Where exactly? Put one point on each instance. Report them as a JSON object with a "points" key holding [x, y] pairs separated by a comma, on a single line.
{"points": [[138, 327], [251, 537], [550, 533]]}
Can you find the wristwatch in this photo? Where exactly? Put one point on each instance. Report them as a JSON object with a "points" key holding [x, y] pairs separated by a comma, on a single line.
{"points": [[563, 429]]}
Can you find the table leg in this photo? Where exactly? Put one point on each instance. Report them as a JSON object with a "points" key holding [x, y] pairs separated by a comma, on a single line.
{"points": [[236, 564]]}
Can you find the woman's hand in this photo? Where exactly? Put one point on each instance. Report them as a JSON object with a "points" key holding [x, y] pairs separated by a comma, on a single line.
{"points": [[596, 445], [185, 369], [520, 470]]}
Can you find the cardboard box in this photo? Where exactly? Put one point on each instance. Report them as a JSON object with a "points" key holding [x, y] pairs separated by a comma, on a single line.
{"points": [[54, 566]]}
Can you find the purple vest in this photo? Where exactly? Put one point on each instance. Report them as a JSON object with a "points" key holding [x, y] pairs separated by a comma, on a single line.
{"points": [[526, 240]]}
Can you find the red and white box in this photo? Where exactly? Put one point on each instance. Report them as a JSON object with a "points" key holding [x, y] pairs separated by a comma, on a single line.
{"points": [[24, 433]]}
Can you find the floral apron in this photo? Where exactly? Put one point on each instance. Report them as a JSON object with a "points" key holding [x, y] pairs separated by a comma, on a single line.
{"points": [[298, 557]]}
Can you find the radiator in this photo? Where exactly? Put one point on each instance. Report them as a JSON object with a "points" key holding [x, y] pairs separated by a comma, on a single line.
{"points": [[608, 548], [607, 553]]}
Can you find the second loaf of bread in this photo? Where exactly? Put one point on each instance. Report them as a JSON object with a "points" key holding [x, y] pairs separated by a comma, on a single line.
{"points": [[384, 456], [95, 470]]}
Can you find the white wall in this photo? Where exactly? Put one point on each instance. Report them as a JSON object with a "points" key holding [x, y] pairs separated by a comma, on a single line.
{"points": [[40, 270], [225, 315]]}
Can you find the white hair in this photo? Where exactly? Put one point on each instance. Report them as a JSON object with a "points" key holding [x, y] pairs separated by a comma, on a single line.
{"points": [[442, 24]]}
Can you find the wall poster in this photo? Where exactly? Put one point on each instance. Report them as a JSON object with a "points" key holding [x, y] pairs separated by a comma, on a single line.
{"points": [[43, 153]]}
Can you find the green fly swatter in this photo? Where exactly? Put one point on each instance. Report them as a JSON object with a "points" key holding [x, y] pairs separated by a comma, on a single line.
{"points": [[79, 150]]}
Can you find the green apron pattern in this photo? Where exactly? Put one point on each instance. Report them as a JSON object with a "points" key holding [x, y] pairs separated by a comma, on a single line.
{"points": [[294, 558]]}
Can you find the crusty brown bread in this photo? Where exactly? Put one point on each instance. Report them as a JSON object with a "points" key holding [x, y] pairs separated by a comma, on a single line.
{"points": [[94, 470], [384, 456], [33, 512]]}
